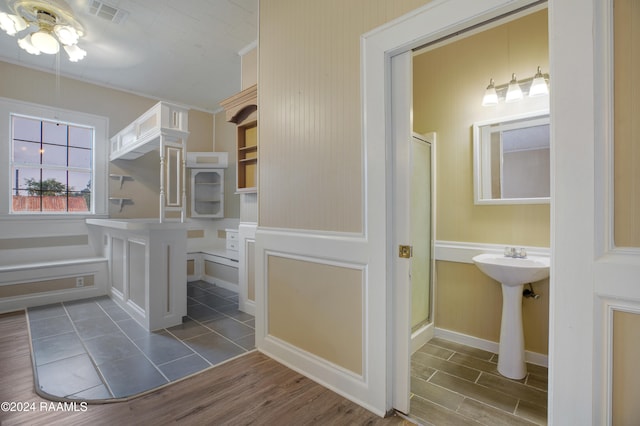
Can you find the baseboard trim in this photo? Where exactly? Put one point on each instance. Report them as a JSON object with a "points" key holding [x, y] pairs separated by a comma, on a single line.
{"points": [[422, 336], [343, 382], [487, 345], [221, 283], [40, 299], [248, 306]]}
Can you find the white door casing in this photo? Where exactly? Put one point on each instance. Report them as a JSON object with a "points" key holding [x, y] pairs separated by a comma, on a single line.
{"points": [[401, 173], [401, 106], [433, 21]]}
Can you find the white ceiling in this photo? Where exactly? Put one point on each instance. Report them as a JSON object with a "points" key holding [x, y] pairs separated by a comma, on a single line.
{"points": [[182, 51]]}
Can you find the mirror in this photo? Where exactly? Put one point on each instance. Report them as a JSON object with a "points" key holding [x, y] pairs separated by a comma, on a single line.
{"points": [[511, 159]]}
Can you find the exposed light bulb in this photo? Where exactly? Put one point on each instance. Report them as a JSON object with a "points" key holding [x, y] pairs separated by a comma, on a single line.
{"points": [[490, 95], [514, 92], [538, 85]]}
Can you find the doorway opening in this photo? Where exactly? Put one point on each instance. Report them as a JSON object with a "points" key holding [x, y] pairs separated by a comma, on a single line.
{"points": [[466, 314]]}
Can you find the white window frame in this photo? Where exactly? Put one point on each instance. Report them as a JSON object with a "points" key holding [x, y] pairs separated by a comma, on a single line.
{"points": [[9, 107]]}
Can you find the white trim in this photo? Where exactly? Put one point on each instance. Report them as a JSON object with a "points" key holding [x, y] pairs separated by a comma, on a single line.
{"points": [[429, 23], [54, 270], [482, 151], [48, 264], [99, 151], [608, 306], [344, 250], [462, 252], [248, 48], [339, 380], [487, 345], [401, 147], [246, 235], [421, 336]]}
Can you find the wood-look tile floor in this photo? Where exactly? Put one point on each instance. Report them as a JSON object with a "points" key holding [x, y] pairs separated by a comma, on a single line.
{"points": [[454, 384], [250, 390]]}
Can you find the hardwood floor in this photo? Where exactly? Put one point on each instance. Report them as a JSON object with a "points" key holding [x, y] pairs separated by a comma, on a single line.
{"points": [[252, 389]]}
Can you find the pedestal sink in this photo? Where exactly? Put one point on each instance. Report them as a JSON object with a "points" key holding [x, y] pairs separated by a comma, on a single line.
{"points": [[512, 273]]}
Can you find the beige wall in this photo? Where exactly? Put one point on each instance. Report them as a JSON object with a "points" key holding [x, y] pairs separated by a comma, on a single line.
{"points": [[44, 286], [627, 125], [626, 325], [310, 115], [250, 68], [324, 315], [449, 84], [310, 174], [626, 376], [121, 108]]}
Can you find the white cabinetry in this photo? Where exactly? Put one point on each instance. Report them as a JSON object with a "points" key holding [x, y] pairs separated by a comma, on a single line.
{"points": [[207, 193], [163, 128], [232, 242], [207, 183]]}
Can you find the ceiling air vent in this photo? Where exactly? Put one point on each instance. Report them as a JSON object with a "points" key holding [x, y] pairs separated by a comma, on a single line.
{"points": [[107, 11]]}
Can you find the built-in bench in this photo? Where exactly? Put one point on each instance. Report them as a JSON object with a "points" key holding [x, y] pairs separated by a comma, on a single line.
{"points": [[51, 263], [38, 283], [217, 266]]}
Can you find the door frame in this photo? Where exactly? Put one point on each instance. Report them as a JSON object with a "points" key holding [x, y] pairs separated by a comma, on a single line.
{"points": [[380, 49], [401, 153], [580, 224]]}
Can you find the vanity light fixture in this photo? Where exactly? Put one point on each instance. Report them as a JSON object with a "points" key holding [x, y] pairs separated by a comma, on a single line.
{"points": [[538, 85], [50, 23], [490, 95], [516, 89], [514, 92]]}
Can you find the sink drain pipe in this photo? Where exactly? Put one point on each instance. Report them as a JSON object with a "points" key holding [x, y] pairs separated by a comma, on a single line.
{"points": [[528, 292]]}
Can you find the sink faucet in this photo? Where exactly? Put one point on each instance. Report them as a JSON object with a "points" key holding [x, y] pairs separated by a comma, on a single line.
{"points": [[520, 253]]}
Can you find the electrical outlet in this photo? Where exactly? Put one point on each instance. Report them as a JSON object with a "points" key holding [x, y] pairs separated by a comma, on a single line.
{"points": [[80, 282]]}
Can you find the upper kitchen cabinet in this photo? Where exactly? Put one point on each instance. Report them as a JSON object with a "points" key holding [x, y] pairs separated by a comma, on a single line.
{"points": [[242, 109]]}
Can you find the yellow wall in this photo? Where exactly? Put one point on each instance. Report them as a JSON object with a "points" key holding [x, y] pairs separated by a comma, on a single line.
{"points": [[449, 83], [469, 302]]}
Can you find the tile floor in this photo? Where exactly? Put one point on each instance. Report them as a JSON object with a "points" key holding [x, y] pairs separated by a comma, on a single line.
{"points": [[93, 350], [454, 384]]}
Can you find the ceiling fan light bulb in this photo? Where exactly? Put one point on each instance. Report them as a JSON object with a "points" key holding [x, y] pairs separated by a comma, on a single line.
{"points": [[45, 42], [11, 24], [26, 44], [66, 34], [75, 53]]}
